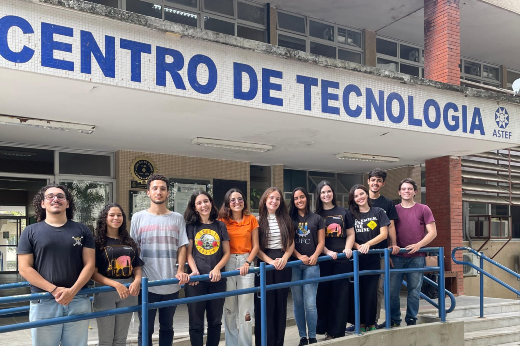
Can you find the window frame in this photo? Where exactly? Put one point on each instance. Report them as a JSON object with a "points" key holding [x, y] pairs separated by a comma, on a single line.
{"points": [[398, 60], [481, 80]]}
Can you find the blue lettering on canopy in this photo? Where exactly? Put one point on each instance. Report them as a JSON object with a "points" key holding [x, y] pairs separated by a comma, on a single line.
{"points": [[89, 47], [136, 48], [194, 63], [326, 96], [426, 114], [7, 23], [307, 82], [476, 122], [351, 88], [267, 86], [49, 46], [450, 106], [379, 107], [173, 68], [389, 111], [238, 88], [411, 120], [465, 119]]}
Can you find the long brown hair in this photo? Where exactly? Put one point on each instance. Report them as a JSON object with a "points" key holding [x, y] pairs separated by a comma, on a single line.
{"points": [[285, 223], [225, 212], [101, 228], [353, 206]]}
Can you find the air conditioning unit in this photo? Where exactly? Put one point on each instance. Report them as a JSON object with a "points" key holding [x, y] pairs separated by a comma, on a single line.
{"points": [[471, 258]]}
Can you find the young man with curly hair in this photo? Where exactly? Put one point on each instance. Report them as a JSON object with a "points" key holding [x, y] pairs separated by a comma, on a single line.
{"points": [[57, 255]]}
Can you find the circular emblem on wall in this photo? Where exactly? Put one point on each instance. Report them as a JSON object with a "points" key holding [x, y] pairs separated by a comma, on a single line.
{"points": [[207, 241], [142, 168], [501, 117]]}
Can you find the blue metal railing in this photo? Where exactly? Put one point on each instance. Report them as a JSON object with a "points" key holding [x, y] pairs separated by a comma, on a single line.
{"points": [[482, 272], [146, 305]]}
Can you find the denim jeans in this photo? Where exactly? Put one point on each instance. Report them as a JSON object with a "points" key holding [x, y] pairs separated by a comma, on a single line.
{"points": [[304, 299], [165, 319], [69, 334], [414, 283]]}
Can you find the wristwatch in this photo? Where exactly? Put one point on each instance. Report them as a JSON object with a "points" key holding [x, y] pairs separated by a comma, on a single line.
{"points": [[248, 262]]}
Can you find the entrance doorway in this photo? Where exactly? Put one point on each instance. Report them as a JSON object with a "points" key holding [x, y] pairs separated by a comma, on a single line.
{"points": [[16, 195]]}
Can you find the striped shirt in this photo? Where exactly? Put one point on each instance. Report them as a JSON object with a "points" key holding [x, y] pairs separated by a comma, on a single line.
{"points": [[274, 238], [159, 237]]}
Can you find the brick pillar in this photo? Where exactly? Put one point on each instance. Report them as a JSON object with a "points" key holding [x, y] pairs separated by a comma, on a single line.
{"points": [[444, 197], [442, 41]]}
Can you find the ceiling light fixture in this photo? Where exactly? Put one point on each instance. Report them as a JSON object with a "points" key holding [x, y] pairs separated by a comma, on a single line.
{"points": [[366, 157], [220, 143], [46, 124]]}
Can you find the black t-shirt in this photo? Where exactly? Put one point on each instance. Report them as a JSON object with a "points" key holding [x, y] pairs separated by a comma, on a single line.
{"points": [[336, 225], [57, 251], [207, 244], [115, 260], [369, 226], [389, 208], [306, 238]]}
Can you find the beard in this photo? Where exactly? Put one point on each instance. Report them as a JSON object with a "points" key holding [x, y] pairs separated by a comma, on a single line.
{"points": [[158, 202]]}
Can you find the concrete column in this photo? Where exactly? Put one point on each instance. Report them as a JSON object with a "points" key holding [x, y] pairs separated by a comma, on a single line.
{"points": [[277, 176], [503, 76], [444, 197], [442, 41], [370, 48], [273, 19]]}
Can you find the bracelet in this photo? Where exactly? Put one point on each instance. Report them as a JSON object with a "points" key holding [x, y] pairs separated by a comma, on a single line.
{"points": [[53, 289], [248, 262]]}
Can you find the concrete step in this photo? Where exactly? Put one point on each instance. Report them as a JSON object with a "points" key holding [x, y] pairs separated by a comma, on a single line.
{"points": [[492, 337], [516, 343], [474, 310], [500, 321]]}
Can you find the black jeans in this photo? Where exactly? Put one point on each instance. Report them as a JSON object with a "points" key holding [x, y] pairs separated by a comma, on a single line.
{"points": [[332, 300], [276, 304], [165, 319], [368, 290], [213, 308]]}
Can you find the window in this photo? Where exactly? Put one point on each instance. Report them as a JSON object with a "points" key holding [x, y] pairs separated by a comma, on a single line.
{"points": [[478, 72], [225, 7], [399, 57], [251, 13], [146, 8], [222, 26], [511, 77], [84, 164], [181, 17], [318, 37], [187, 3], [26, 160], [251, 33]]}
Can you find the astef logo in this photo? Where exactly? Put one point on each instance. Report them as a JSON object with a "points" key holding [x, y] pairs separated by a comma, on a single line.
{"points": [[502, 120]]}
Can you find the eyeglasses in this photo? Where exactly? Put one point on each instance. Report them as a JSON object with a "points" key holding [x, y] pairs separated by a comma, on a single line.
{"points": [[237, 200], [51, 197]]}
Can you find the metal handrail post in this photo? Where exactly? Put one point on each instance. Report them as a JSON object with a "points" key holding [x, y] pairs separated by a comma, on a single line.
{"points": [[481, 286], [386, 287], [356, 293], [442, 293], [263, 308], [144, 311]]}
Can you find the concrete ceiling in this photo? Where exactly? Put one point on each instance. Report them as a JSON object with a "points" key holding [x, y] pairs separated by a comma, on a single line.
{"points": [[488, 33], [128, 119]]}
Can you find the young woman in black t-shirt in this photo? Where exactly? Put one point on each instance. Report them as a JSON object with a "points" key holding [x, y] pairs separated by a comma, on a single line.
{"points": [[208, 252], [333, 296], [309, 242], [117, 263], [370, 225]]}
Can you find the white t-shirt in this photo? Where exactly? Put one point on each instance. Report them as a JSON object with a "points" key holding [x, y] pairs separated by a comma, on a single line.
{"points": [[274, 238]]}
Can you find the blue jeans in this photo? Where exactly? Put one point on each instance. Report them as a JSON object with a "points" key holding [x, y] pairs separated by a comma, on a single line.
{"points": [[69, 334], [304, 299], [414, 283], [165, 319]]}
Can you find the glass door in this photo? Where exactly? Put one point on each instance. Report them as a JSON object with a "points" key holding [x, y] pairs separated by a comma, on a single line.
{"points": [[10, 229]]}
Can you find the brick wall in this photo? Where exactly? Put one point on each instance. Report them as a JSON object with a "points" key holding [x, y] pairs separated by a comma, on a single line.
{"points": [[444, 197], [442, 41]]}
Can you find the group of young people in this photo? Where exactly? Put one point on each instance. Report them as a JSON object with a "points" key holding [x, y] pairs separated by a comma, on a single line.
{"points": [[60, 256]]}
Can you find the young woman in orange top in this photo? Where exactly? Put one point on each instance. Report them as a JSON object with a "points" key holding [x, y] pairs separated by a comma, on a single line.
{"points": [[242, 229]]}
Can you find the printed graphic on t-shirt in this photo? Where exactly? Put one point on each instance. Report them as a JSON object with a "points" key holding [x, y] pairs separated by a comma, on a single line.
{"points": [[371, 224], [303, 229], [118, 265], [334, 227], [207, 241], [77, 241]]}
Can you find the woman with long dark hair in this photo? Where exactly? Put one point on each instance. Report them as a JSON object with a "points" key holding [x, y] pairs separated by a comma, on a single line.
{"points": [[276, 237], [371, 228], [117, 264], [333, 296], [309, 242], [208, 253], [242, 229]]}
